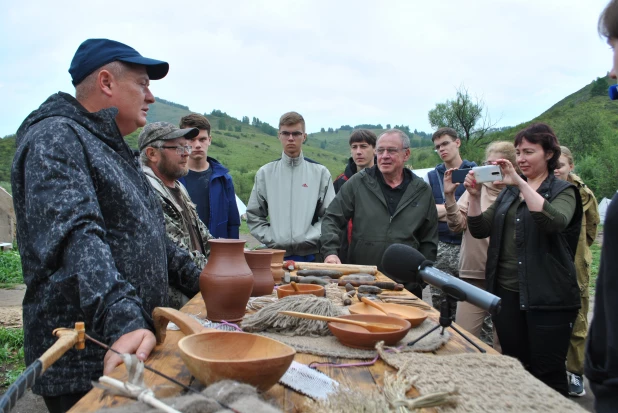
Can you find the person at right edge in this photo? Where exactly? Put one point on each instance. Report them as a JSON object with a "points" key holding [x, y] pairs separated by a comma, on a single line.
{"points": [[534, 227], [583, 259], [601, 361]]}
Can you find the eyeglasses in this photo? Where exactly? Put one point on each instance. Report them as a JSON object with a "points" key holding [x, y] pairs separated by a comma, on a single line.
{"points": [[180, 149], [286, 134], [443, 145], [390, 151]]}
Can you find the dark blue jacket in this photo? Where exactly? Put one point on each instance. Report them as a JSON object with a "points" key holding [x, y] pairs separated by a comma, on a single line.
{"points": [[224, 219], [91, 237], [436, 179]]}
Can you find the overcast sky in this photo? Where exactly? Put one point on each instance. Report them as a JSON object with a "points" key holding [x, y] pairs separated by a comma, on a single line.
{"points": [[335, 62]]}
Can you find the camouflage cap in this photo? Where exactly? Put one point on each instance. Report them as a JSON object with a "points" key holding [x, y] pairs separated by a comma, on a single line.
{"points": [[163, 131]]}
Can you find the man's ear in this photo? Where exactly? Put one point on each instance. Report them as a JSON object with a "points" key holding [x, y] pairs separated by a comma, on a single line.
{"points": [[104, 82], [152, 154]]}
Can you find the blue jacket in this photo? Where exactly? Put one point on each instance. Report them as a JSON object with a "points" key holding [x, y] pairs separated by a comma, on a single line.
{"points": [[224, 219], [91, 237], [436, 179]]}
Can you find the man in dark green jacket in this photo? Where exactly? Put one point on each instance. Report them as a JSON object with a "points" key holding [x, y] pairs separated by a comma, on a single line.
{"points": [[388, 204]]}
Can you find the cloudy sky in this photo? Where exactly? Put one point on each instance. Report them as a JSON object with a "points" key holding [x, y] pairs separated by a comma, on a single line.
{"points": [[336, 62]]}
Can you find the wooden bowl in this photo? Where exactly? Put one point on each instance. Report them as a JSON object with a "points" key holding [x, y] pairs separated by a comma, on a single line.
{"points": [[247, 358], [286, 290], [212, 355], [358, 337], [415, 316]]}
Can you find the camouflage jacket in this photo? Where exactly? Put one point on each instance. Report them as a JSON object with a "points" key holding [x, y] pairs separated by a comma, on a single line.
{"points": [[91, 236], [174, 223], [587, 235]]}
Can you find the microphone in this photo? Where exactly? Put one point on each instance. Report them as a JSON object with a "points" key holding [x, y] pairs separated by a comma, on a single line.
{"points": [[404, 262]]}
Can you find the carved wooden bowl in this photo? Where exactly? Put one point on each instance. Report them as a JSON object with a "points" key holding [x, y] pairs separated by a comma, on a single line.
{"points": [[358, 337], [213, 355], [286, 290], [415, 316]]}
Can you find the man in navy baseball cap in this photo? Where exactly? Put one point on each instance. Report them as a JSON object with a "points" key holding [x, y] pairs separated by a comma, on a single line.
{"points": [[92, 233], [95, 53]]}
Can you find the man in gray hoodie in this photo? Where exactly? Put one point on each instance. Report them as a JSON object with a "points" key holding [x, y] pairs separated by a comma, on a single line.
{"points": [[290, 196]]}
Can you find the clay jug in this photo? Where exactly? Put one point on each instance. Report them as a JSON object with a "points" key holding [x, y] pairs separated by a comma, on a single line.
{"points": [[226, 281], [259, 262], [276, 266]]}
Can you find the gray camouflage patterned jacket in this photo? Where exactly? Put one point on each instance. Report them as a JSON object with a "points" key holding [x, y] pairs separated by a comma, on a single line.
{"points": [[176, 228], [91, 236]]}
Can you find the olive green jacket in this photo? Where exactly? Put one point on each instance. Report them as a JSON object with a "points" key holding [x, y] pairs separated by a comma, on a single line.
{"points": [[414, 223], [587, 235]]}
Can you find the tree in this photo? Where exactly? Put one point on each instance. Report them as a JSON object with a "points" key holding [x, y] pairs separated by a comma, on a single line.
{"points": [[245, 119], [330, 130], [599, 87], [465, 114], [221, 124], [388, 126]]}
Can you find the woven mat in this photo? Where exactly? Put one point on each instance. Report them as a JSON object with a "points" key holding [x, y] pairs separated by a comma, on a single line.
{"points": [[486, 383], [330, 346]]}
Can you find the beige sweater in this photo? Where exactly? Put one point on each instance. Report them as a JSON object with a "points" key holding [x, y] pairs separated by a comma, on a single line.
{"points": [[473, 253]]}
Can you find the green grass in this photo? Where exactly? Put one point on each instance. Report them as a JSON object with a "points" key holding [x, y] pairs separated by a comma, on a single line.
{"points": [[595, 248], [11, 354], [244, 229], [10, 269]]}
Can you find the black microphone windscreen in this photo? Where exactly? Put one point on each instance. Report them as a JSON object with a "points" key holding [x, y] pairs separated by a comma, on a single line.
{"points": [[402, 261]]}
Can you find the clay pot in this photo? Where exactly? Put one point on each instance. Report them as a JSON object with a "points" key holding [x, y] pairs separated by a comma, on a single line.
{"points": [[276, 266], [226, 281], [259, 262]]}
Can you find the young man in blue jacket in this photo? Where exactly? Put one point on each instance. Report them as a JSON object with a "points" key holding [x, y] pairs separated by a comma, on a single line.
{"points": [[447, 143], [209, 183]]}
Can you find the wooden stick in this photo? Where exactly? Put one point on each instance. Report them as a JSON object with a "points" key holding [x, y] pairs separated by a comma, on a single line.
{"points": [[137, 392], [344, 268]]}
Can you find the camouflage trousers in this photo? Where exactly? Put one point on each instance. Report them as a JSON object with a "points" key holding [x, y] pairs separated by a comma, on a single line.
{"points": [[447, 261]]}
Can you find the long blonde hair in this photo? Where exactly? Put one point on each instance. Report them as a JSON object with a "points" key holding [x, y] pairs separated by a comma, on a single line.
{"points": [[505, 149]]}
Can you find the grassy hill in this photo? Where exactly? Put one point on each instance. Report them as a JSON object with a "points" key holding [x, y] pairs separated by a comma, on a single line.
{"points": [[586, 121]]}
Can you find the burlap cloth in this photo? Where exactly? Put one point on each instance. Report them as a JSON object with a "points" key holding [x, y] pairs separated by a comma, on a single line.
{"points": [[486, 383], [330, 346]]}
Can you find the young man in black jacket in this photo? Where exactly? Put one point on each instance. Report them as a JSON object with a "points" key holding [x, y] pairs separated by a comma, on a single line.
{"points": [[363, 150]]}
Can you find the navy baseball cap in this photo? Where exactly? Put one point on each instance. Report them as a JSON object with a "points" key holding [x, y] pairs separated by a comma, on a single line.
{"points": [[95, 53]]}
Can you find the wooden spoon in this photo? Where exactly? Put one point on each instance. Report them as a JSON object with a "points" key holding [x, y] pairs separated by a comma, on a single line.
{"points": [[294, 286], [373, 304], [372, 327]]}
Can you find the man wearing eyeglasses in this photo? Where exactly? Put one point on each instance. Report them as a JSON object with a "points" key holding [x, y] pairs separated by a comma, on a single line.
{"points": [[290, 196], [164, 153], [446, 143], [388, 204]]}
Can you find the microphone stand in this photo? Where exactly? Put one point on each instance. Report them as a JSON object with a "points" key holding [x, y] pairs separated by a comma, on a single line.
{"points": [[446, 320]]}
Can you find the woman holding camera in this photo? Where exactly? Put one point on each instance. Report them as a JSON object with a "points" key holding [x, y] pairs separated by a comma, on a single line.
{"points": [[473, 254], [533, 227], [583, 259]]}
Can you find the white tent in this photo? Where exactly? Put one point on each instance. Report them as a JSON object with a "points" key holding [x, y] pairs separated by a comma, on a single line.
{"points": [[603, 208], [242, 208]]}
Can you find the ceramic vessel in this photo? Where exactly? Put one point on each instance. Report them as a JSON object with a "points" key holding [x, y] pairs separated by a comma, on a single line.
{"points": [[415, 316], [259, 262], [226, 281], [276, 266]]}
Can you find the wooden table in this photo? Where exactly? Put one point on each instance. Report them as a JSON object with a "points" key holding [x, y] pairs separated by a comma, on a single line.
{"points": [[165, 358]]}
